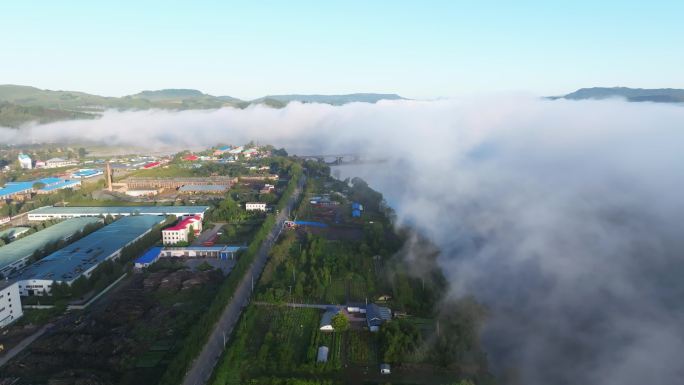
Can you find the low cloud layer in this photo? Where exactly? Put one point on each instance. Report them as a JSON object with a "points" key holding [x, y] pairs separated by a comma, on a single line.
{"points": [[564, 217]]}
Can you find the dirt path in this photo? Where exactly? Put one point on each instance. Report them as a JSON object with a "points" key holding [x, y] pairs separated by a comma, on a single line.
{"points": [[18, 348]]}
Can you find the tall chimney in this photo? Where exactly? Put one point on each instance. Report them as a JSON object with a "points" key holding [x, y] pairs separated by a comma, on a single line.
{"points": [[109, 177]]}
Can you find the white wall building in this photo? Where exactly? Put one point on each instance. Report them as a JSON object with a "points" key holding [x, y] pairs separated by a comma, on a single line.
{"points": [[255, 206], [59, 162], [180, 232], [141, 193], [25, 161], [10, 303]]}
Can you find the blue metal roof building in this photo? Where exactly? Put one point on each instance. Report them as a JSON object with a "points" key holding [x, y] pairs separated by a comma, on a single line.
{"points": [[86, 173], [83, 256], [15, 255], [10, 190], [51, 184], [51, 212], [150, 257], [376, 316], [61, 185]]}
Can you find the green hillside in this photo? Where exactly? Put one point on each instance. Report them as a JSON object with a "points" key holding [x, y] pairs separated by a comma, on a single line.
{"points": [[12, 115], [656, 95], [24, 104]]}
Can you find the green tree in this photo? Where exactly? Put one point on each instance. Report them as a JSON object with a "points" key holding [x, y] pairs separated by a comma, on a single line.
{"points": [[82, 152], [340, 322], [398, 339]]}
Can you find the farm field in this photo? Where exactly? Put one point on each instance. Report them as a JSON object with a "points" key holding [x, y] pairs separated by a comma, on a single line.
{"points": [[275, 340]]}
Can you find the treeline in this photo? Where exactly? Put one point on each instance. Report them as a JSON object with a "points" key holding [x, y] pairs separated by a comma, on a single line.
{"points": [[200, 332], [310, 265], [294, 170]]}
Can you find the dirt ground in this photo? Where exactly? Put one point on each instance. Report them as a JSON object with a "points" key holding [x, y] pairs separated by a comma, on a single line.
{"points": [[126, 340]]}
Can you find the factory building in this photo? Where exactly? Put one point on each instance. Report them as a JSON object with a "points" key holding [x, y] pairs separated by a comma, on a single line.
{"points": [[15, 255], [204, 189], [181, 231], [54, 184], [25, 162], [255, 206], [140, 183], [141, 193], [10, 303], [15, 191], [151, 256], [219, 251], [59, 162], [83, 256], [21, 190], [85, 173], [51, 212]]}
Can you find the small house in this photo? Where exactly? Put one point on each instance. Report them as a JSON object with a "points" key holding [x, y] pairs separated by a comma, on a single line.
{"points": [[376, 316], [326, 320]]}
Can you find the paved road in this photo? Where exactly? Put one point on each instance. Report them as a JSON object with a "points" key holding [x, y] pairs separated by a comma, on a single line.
{"points": [[321, 306], [206, 234], [18, 220], [203, 366]]}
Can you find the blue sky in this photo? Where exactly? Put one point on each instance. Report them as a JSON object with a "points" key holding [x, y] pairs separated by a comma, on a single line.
{"points": [[420, 49]]}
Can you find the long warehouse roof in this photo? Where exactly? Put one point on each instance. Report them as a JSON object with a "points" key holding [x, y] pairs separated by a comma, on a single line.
{"points": [[70, 262], [120, 210], [26, 246]]}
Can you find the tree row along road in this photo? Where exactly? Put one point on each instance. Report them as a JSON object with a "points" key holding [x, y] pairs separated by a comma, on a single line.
{"points": [[203, 366]]}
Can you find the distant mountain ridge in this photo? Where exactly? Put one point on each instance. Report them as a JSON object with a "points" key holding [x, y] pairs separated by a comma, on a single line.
{"points": [[23, 104], [655, 95], [332, 99]]}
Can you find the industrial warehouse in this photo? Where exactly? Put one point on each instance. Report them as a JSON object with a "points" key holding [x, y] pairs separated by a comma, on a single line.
{"points": [[15, 255], [23, 190], [136, 183], [50, 212], [83, 256]]}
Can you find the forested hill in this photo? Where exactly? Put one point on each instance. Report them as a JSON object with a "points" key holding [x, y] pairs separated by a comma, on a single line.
{"points": [[657, 95], [23, 104]]}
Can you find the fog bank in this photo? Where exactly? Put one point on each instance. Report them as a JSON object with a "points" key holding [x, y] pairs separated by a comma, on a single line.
{"points": [[563, 217]]}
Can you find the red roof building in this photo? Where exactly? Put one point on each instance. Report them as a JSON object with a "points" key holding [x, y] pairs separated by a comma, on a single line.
{"points": [[190, 157], [180, 231], [151, 165]]}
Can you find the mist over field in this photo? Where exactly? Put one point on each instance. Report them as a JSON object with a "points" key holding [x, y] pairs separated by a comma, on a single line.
{"points": [[563, 217]]}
